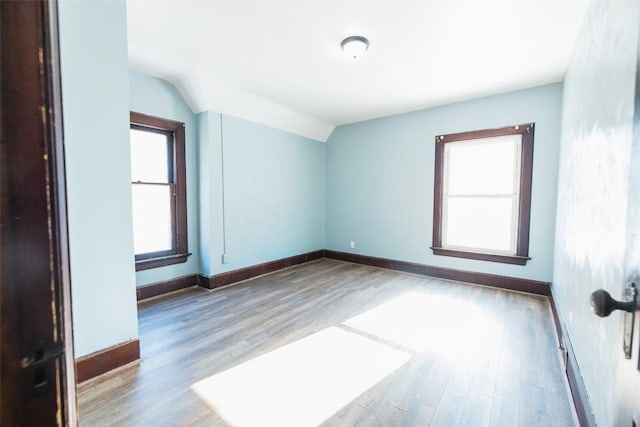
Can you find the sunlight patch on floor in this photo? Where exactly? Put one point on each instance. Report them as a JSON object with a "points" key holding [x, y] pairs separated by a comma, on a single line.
{"points": [[422, 322], [303, 383]]}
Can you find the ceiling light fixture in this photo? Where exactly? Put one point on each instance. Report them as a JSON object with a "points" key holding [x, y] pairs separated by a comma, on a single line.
{"points": [[354, 46]]}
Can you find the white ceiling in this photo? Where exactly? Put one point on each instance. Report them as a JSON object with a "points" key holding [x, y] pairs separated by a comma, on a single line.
{"points": [[279, 62]]}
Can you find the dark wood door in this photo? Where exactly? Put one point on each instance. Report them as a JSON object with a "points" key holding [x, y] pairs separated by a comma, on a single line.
{"points": [[36, 364]]}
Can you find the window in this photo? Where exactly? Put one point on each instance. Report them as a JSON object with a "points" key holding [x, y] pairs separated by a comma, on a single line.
{"points": [[159, 191], [482, 195]]}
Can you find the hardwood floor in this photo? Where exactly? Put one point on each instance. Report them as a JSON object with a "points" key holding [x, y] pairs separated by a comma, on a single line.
{"points": [[338, 344]]}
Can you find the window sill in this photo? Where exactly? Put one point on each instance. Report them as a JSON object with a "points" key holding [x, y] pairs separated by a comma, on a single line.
{"points": [[146, 264], [506, 259]]}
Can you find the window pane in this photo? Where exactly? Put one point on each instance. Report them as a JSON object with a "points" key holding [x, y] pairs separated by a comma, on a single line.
{"points": [[483, 166], [151, 218], [480, 223], [149, 156]]}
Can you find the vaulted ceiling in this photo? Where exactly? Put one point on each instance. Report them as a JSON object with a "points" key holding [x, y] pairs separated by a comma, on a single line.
{"points": [[279, 62]]}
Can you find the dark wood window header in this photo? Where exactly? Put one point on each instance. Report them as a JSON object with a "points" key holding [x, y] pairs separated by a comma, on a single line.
{"points": [[524, 129], [176, 131], [521, 255], [157, 123]]}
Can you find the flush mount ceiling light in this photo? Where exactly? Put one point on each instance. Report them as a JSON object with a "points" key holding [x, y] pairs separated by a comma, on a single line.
{"points": [[354, 46]]}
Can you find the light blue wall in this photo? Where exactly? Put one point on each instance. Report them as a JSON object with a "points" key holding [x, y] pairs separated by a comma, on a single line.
{"points": [[272, 181], [156, 97], [95, 92], [595, 160], [274, 193], [209, 187], [380, 179], [273, 186], [210, 171]]}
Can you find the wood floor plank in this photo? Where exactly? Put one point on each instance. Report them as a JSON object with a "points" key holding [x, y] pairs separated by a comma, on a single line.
{"points": [[449, 411], [532, 407], [505, 409], [433, 352], [477, 410], [418, 414]]}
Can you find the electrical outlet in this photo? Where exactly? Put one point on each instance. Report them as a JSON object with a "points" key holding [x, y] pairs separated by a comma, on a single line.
{"points": [[225, 258], [352, 244]]}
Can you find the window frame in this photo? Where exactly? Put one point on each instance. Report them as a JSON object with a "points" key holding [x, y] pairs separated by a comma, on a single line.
{"points": [[176, 132], [521, 255]]}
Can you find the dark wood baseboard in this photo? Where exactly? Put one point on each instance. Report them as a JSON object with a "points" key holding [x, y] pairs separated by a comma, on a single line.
{"points": [[103, 361], [159, 288], [504, 282], [203, 281], [572, 370], [230, 277], [222, 279], [556, 317]]}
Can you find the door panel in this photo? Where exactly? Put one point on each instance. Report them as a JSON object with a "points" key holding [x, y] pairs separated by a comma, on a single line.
{"points": [[36, 354], [597, 194], [627, 398]]}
